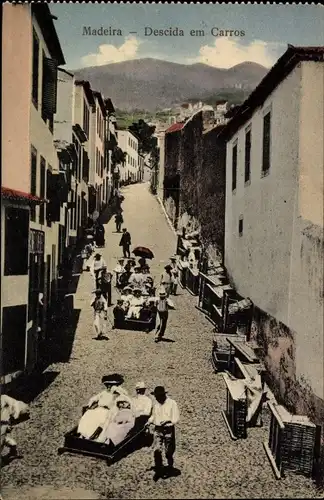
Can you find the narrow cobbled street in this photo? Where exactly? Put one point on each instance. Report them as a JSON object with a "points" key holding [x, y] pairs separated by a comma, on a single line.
{"points": [[211, 464]]}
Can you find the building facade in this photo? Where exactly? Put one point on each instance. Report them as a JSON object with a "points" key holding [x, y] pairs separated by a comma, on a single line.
{"points": [[29, 256], [274, 222], [85, 163], [128, 142]]}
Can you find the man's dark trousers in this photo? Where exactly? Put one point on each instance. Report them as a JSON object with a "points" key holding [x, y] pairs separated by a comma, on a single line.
{"points": [[106, 292], [163, 315], [126, 252]]}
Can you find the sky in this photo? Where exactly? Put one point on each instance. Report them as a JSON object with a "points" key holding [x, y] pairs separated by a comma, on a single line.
{"points": [[260, 33]]}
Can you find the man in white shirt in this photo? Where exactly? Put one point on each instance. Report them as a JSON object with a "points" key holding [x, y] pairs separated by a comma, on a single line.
{"points": [[164, 417], [100, 312], [96, 267], [142, 403], [163, 304]]}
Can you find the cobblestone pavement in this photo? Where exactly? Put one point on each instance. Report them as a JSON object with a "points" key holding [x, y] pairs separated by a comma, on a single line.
{"points": [[211, 464]]}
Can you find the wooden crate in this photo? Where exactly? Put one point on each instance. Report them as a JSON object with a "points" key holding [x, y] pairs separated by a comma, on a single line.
{"points": [[221, 352], [236, 410], [292, 443]]}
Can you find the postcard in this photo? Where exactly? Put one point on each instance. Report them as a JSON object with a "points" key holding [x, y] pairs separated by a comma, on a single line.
{"points": [[162, 251]]}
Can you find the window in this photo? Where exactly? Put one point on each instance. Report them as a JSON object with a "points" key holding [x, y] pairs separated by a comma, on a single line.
{"points": [[35, 69], [42, 189], [234, 167], [33, 180], [266, 143], [49, 88], [241, 225], [86, 118], [16, 241], [247, 174]]}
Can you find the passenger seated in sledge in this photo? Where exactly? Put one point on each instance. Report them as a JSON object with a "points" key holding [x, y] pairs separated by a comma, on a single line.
{"points": [[137, 279], [119, 423], [142, 404], [126, 296], [125, 275], [136, 304], [99, 407]]}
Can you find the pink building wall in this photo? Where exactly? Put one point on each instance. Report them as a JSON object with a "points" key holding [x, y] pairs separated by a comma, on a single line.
{"points": [[16, 95]]}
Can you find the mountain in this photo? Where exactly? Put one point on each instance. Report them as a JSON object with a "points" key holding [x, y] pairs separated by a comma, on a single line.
{"points": [[154, 84]]}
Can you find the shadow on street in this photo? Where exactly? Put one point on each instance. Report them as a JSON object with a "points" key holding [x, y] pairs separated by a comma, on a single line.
{"points": [[32, 386], [63, 334]]}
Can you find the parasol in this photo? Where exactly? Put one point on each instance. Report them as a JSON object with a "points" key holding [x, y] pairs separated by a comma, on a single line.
{"points": [[144, 252]]}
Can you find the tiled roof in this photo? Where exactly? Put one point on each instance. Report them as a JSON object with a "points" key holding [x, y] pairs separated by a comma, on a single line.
{"points": [[174, 128], [19, 196], [281, 69]]}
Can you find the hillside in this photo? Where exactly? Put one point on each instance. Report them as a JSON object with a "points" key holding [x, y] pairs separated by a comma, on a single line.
{"points": [[151, 84]]}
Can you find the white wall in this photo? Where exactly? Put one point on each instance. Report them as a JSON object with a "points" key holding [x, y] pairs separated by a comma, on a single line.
{"points": [[278, 262], [306, 288], [161, 146], [123, 138], [258, 261]]}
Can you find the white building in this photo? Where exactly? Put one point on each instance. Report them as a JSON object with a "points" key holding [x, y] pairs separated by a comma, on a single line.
{"points": [[160, 181], [128, 142], [221, 108], [84, 163], [29, 253], [97, 140], [64, 141], [274, 220], [111, 144]]}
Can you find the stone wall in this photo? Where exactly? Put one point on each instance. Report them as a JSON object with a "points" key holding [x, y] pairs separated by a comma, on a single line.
{"points": [[171, 185], [202, 183], [278, 350]]}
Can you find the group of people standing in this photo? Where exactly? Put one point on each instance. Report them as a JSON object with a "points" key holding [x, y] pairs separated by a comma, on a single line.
{"points": [[111, 415], [137, 298]]}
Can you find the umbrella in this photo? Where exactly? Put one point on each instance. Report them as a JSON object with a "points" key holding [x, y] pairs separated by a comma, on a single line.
{"points": [[144, 252]]}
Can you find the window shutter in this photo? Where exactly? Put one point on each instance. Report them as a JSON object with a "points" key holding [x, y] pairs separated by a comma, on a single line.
{"points": [[35, 68], [49, 87]]}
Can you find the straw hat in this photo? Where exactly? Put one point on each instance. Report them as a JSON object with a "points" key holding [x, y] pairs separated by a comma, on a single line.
{"points": [[140, 385]]}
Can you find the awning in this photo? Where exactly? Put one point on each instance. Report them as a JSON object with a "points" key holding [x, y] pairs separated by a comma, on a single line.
{"points": [[20, 197]]}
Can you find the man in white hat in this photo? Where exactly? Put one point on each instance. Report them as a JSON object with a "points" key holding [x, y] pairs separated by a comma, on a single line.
{"points": [[142, 403], [96, 267], [100, 312], [163, 305]]}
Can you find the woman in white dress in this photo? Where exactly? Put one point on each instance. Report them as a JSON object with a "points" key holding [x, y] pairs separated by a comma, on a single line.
{"points": [[99, 407], [126, 296], [136, 304], [120, 421]]}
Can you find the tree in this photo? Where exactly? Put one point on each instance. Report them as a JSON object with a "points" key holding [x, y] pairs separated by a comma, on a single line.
{"points": [[144, 132], [118, 157]]}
